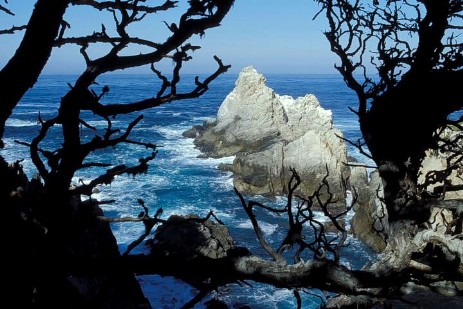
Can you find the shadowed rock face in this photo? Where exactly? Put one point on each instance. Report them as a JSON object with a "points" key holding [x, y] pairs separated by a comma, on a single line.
{"points": [[190, 236], [269, 134], [76, 267]]}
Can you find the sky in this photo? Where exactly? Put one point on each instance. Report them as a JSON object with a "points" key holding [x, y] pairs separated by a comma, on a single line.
{"points": [[275, 36]]}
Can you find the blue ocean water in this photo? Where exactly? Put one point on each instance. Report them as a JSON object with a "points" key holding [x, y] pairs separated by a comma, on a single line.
{"points": [[179, 181]]}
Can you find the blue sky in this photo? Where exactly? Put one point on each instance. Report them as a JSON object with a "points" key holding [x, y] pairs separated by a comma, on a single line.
{"points": [[275, 36]]}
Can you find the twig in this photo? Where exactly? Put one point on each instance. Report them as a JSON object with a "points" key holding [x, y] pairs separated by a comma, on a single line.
{"points": [[248, 208]]}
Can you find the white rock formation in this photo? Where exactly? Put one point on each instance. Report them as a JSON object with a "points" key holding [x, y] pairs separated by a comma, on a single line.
{"points": [[269, 134], [253, 111]]}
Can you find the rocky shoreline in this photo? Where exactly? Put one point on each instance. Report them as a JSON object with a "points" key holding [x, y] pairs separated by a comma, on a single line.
{"points": [[270, 134]]}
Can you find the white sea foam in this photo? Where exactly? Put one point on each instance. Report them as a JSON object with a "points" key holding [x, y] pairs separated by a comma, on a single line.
{"points": [[185, 209], [267, 228], [13, 122], [13, 152], [202, 119], [224, 181], [273, 298], [169, 132], [159, 111], [183, 150], [269, 297], [37, 106], [350, 214], [101, 123], [34, 113]]}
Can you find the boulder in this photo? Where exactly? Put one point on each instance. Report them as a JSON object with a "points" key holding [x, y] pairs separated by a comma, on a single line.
{"points": [[188, 237], [269, 134]]}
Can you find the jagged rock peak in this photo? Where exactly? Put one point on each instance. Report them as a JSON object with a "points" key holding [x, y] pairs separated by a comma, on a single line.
{"points": [[271, 133]]}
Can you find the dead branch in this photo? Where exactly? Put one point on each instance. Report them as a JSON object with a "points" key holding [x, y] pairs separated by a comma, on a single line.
{"points": [[359, 145], [149, 225], [108, 177], [13, 29], [209, 215], [195, 300], [35, 149], [248, 208], [118, 5], [300, 214], [108, 110], [6, 10]]}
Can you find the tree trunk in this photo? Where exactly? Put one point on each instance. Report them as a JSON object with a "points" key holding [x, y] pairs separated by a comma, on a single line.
{"points": [[399, 128], [23, 69]]}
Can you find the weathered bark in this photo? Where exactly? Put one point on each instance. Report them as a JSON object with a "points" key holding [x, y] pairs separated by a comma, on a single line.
{"points": [[412, 90], [407, 256], [23, 69], [399, 128]]}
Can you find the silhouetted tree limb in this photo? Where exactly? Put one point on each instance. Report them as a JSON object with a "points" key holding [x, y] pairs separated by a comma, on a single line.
{"points": [[195, 300], [149, 223], [116, 109], [72, 233], [99, 37], [300, 214], [108, 177], [35, 149], [311, 274], [132, 6], [298, 299], [395, 55], [248, 208], [81, 98], [359, 145], [13, 29], [6, 10], [188, 26], [23, 69]]}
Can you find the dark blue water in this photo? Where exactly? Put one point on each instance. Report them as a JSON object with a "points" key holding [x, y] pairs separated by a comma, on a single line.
{"points": [[179, 181]]}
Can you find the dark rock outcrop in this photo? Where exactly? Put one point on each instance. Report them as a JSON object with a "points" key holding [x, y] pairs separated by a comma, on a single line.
{"points": [[190, 236], [59, 259]]}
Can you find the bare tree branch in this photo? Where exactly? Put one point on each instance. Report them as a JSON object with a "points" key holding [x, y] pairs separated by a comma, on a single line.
{"points": [[149, 225], [6, 10], [13, 29], [116, 109], [248, 208], [118, 5]]}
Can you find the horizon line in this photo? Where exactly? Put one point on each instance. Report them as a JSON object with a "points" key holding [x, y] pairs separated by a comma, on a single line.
{"points": [[208, 73]]}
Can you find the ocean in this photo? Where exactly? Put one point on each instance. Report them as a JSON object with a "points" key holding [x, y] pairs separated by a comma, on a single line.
{"points": [[179, 180]]}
